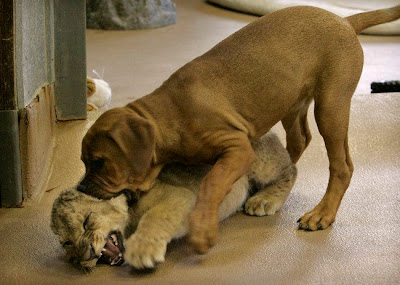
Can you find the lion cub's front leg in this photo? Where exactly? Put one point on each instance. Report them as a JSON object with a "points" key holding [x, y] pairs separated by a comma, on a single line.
{"points": [[158, 226]]}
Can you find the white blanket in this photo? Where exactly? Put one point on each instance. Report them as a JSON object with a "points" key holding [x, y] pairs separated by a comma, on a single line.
{"points": [[342, 8]]}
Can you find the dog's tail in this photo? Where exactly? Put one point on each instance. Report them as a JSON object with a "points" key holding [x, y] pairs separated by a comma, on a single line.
{"points": [[361, 21]]}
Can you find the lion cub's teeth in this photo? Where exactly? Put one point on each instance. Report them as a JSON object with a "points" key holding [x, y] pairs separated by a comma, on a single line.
{"points": [[120, 254], [114, 239], [103, 250], [115, 261]]}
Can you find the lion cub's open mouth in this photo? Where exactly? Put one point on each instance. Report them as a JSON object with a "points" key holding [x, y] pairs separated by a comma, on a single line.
{"points": [[113, 249]]}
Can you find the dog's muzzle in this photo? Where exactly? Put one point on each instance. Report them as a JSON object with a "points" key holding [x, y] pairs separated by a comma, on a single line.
{"points": [[92, 188]]}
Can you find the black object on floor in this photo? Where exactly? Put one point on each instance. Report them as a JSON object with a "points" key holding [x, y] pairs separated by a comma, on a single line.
{"points": [[385, 86]]}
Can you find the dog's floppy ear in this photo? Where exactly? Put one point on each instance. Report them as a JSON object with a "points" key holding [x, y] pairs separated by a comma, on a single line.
{"points": [[136, 139]]}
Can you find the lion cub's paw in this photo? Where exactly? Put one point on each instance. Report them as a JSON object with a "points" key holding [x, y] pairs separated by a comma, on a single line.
{"points": [[141, 252], [264, 205]]}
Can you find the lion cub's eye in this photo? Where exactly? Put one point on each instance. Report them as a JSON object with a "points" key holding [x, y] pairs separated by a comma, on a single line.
{"points": [[67, 243], [85, 223]]}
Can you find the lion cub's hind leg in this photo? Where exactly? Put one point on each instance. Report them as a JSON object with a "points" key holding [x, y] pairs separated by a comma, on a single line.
{"points": [[272, 175], [271, 197]]}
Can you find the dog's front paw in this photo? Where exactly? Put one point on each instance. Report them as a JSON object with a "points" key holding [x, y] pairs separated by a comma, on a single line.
{"points": [[264, 205], [203, 229], [317, 219], [142, 252]]}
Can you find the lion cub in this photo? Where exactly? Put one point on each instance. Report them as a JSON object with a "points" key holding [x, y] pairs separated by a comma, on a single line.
{"points": [[110, 231]]}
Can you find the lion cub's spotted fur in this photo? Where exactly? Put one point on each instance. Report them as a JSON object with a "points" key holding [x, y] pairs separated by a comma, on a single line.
{"points": [[83, 223]]}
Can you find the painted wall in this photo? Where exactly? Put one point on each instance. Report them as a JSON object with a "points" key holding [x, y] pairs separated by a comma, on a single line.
{"points": [[34, 25], [50, 48]]}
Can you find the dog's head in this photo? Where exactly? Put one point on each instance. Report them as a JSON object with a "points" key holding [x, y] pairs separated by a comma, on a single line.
{"points": [[90, 230], [117, 151]]}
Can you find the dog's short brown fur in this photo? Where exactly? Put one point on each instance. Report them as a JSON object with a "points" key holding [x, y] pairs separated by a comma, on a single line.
{"points": [[210, 109]]}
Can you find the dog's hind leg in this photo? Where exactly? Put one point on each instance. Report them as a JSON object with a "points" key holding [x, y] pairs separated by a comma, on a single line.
{"points": [[332, 111], [298, 135]]}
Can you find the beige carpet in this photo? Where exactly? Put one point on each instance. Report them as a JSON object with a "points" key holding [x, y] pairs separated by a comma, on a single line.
{"points": [[361, 248]]}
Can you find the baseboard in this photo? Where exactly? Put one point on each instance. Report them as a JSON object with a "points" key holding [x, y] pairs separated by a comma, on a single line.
{"points": [[37, 141], [10, 161]]}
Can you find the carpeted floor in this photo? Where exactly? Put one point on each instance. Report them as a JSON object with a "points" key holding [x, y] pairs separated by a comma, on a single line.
{"points": [[363, 245]]}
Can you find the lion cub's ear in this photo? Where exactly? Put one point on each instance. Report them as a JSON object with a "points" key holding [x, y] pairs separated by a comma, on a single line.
{"points": [[135, 137], [120, 202]]}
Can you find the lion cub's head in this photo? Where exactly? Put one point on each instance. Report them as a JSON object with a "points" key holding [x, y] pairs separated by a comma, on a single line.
{"points": [[89, 229]]}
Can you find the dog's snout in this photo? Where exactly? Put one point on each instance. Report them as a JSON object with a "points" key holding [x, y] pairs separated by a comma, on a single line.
{"points": [[95, 188], [131, 197]]}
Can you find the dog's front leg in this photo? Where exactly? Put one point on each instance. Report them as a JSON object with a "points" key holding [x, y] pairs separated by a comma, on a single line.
{"points": [[230, 166]]}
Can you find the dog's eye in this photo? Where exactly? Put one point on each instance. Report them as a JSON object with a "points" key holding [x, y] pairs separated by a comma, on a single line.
{"points": [[98, 163]]}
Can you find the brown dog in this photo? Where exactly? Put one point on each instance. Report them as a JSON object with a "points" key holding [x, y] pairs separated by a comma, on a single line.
{"points": [[210, 109]]}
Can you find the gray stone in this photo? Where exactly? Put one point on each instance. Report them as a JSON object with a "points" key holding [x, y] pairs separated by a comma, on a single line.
{"points": [[129, 14]]}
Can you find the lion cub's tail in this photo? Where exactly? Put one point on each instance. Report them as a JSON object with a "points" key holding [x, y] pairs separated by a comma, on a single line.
{"points": [[365, 20]]}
